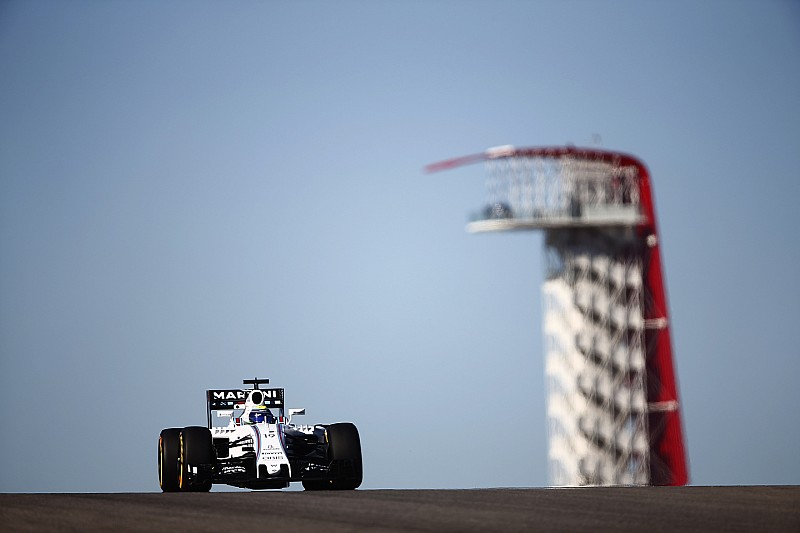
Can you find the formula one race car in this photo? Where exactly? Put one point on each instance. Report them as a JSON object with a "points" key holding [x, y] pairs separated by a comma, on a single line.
{"points": [[250, 443]]}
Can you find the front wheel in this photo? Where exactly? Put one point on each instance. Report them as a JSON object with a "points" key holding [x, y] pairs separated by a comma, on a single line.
{"points": [[344, 452], [196, 459], [168, 457], [344, 449]]}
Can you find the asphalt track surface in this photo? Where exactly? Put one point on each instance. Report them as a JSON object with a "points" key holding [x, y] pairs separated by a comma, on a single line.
{"points": [[584, 509]]}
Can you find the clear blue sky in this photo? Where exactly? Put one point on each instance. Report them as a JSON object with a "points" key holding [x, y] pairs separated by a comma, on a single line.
{"points": [[196, 192]]}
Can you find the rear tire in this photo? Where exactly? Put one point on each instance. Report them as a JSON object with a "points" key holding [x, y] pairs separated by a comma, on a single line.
{"points": [[195, 449], [168, 457]]}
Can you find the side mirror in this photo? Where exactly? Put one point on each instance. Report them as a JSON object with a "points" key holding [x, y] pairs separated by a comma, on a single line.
{"points": [[296, 412]]}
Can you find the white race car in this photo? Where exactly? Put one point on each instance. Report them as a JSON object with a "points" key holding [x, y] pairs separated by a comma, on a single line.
{"points": [[251, 443]]}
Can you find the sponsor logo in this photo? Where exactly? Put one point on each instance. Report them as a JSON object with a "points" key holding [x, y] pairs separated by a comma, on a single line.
{"points": [[233, 469], [227, 395]]}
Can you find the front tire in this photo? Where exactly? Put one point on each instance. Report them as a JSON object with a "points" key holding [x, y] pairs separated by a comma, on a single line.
{"points": [[195, 449], [316, 484], [344, 451], [168, 457]]}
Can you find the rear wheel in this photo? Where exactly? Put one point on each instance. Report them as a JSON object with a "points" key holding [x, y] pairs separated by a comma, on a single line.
{"points": [[168, 456], [196, 451]]}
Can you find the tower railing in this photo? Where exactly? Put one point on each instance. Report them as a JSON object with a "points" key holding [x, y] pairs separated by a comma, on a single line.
{"points": [[558, 189]]}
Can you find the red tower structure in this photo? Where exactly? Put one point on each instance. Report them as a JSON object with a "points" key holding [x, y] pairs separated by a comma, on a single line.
{"points": [[613, 399]]}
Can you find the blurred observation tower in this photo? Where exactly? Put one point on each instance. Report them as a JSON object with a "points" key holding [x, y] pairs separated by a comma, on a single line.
{"points": [[613, 410]]}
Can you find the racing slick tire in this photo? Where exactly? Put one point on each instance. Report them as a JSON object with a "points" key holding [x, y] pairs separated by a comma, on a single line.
{"points": [[344, 452], [168, 456], [195, 450]]}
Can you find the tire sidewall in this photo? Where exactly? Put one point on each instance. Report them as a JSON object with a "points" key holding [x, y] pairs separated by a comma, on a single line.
{"points": [[168, 459]]}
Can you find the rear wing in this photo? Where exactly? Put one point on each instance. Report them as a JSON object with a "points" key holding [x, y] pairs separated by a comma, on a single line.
{"points": [[224, 402]]}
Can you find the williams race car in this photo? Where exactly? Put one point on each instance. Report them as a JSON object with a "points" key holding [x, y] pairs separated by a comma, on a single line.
{"points": [[251, 443]]}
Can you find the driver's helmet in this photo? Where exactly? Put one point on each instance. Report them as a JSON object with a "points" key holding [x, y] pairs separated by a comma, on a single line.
{"points": [[259, 415]]}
